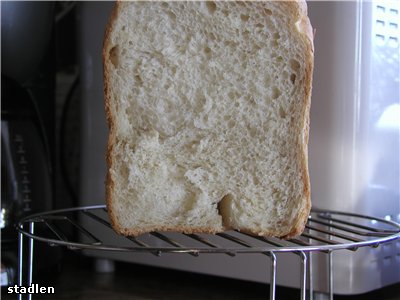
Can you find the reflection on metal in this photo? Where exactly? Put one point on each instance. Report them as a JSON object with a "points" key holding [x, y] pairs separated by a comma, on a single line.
{"points": [[326, 231]]}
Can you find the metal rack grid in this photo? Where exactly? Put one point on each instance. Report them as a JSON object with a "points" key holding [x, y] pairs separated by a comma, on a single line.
{"points": [[326, 231]]}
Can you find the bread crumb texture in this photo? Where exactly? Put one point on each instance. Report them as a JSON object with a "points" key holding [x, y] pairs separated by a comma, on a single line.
{"points": [[208, 102]]}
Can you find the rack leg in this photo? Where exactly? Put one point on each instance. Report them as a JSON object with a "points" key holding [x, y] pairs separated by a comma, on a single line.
{"points": [[30, 266], [310, 277], [303, 277], [272, 284], [20, 260], [330, 268], [330, 275]]}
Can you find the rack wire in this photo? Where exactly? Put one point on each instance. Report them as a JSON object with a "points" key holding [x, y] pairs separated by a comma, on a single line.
{"points": [[326, 231]]}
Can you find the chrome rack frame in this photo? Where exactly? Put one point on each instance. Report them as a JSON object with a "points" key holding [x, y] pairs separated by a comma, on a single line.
{"points": [[326, 231]]}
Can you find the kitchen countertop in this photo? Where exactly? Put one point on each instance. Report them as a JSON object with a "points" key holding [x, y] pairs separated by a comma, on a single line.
{"points": [[77, 279]]}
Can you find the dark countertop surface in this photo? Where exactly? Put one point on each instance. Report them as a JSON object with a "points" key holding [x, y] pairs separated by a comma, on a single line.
{"points": [[76, 279]]}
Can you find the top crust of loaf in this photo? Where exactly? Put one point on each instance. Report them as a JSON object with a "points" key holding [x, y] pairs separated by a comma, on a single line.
{"points": [[298, 11]]}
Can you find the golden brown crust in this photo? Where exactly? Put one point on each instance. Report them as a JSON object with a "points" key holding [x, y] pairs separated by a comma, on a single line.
{"points": [[111, 126], [305, 28], [304, 24], [183, 229]]}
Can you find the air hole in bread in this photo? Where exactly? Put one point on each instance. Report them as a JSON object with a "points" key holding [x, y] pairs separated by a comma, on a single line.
{"points": [[244, 141], [138, 80], [231, 124], [277, 36], [294, 65], [173, 70], [224, 208], [267, 80], [230, 44], [207, 51], [282, 112], [171, 15], [293, 78], [211, 36], [244, 18], [231, 95], [256, 48], [192, 146], [211, 6], [113, 56], [267, 11], [130, 43], [275, 93], [256, 181], [252, 131], [124, 170], [251, 100], [200, 102]]}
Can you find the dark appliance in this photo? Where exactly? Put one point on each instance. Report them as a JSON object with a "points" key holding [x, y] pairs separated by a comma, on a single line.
{"points": [[27, 124]]}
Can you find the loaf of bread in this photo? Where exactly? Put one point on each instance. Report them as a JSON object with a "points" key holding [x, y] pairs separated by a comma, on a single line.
{"points": [[208, 110]]}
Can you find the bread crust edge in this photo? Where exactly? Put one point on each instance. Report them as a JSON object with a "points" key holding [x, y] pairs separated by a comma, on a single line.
{"points": [[307, 31], [110, 120]]}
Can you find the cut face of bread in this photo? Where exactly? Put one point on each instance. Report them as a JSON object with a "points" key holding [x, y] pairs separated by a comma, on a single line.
{"points": [[208, 108]]}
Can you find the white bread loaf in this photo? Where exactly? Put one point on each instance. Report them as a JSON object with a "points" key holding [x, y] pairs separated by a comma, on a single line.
{"points": [[208, 109]]}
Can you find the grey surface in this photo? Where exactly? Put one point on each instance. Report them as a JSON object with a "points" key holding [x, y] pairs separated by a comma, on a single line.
{"points": [[78, 280]]}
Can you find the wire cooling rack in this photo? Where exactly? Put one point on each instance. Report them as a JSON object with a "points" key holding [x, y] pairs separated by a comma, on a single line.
{"points": [[326, 231]]}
